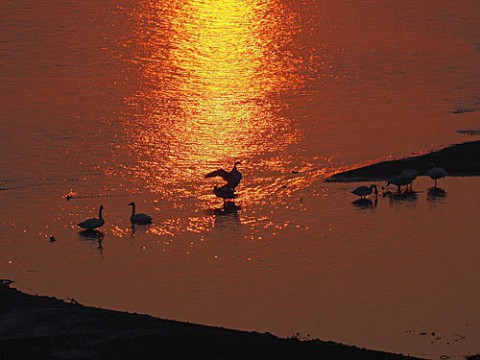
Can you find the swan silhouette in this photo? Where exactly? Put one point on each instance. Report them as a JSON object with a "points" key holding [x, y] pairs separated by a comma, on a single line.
{"points": [[225, 192], [139, 218], [436, 172], [232, 178], [93, 223], [399, 181], [409, 175], [364, 191]]}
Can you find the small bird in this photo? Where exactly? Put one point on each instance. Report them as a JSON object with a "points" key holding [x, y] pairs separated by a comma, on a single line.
{"points": [[93, 223], [139, 218], [364, 191], [232, 178], [436, 172], [399, 181], [409, 175]]}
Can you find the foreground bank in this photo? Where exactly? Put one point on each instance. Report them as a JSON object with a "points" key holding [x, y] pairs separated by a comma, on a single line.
{"points": [[42, 327]]}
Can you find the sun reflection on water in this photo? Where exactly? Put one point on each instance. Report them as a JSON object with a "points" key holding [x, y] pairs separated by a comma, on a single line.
{"points": [[213, 74]]}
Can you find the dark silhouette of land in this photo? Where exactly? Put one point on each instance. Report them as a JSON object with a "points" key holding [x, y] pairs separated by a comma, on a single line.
{"points": [[40, 327], [458, 160]]}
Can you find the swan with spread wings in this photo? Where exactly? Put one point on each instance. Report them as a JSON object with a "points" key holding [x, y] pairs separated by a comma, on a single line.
{"points": [[227, 191], [232, 177]]}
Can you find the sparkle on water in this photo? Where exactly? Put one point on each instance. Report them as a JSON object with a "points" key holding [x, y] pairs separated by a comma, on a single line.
{"points": [[113, 102]]}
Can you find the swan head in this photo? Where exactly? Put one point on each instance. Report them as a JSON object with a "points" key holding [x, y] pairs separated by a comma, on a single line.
{"points": [[131, 204], [237, 163], [101, 207]]}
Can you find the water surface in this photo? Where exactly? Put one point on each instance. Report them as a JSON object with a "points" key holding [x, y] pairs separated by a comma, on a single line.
{"points": [[136, 101]]}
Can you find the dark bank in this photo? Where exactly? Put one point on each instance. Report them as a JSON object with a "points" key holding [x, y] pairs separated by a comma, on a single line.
{"points": [[458, 160], [43, 327]]}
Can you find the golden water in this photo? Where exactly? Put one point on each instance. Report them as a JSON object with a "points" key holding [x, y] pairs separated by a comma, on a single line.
{"points": [[136, 101]]}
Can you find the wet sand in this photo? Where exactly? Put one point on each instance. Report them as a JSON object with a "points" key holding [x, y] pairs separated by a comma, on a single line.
{"points": [[43, 327], [458, 160]]}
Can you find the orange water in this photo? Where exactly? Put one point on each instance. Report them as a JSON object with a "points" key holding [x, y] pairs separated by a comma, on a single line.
{"points": [[136, 101]]}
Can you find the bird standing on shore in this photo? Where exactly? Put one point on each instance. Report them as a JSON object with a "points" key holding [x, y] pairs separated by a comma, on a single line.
{"points": [[436, 172], [409, 175], [364, 191], [93, 223], [399, 181], [139, 218]]}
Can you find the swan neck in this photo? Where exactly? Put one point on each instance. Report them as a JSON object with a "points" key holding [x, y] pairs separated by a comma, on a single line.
{"points": [[100, 213], [133, 209]]}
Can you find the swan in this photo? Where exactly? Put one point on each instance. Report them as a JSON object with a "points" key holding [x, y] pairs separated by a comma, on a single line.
{"points": [[225, 192], [93, 223], [409, 175], [139, 218], [232, 178], [399, 181], [363, 191], [436, 172]]}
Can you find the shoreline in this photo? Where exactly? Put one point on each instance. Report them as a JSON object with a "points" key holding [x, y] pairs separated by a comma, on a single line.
{"points": [[458, 160], [42, 327]]}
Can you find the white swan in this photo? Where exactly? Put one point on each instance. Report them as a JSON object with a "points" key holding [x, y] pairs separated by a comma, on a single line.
{"points": [[93, 223], [436, 172], [363, 191], [409, 175], [232, 178], [139, 218]]}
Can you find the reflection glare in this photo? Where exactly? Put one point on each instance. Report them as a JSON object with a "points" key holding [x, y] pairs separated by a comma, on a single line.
{"points": [[213, 74]]}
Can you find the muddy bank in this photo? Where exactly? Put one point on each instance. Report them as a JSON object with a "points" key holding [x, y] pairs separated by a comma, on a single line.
{"points": [[458, 160], [39, 327]]}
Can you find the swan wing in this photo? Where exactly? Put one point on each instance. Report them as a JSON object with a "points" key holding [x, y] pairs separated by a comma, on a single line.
{"points": [[225, 175], [437, 173], [141, 218], [399, 180], [91, 223], [409, 174], [362, 190]]}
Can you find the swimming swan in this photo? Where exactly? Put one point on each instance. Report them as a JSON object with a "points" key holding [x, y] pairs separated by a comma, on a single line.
{"points": [[139, 218], [93, 223], [363, 191]]}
